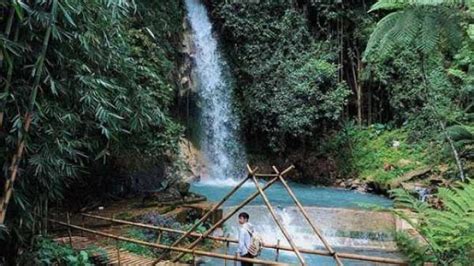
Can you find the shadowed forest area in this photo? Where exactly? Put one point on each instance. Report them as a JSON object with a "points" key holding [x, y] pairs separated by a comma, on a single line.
{"points": [[100, 103]]}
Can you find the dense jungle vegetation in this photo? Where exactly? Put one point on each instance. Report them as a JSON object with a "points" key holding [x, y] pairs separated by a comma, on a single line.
{"points": [[88, 90]]}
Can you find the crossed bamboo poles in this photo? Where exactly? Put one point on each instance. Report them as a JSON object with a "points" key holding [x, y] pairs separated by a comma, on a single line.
{"points": [[260, 191]]}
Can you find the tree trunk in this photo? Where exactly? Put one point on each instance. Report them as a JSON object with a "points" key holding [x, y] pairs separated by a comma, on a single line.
{"points": [[357, 85], [369, 107], [454, 150], [441, 122]]}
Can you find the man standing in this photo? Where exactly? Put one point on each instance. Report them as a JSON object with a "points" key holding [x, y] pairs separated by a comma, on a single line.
{"points": [[245, 237]]}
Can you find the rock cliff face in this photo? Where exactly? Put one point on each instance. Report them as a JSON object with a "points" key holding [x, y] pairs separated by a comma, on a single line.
{"points": [[185, 76], [195, 164]]}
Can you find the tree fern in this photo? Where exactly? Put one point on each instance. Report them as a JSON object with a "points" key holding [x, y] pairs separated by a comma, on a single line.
{"points": [[422, 24]]}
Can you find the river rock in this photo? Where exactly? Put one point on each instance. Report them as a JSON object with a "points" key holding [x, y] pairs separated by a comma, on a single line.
{"points": [[183, 188]]}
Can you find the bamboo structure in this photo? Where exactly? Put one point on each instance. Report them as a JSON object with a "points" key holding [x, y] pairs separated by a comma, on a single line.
{"points": [[306, 216], [191, 248], [275, 218], [154, 245], [276, 247], [235, 210]]}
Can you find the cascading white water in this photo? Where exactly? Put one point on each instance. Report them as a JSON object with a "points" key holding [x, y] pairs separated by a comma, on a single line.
{"points": [[219, 142]]}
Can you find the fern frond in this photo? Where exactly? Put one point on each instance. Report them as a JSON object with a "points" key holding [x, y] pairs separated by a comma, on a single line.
{"points": [[429, 33], [426, 24], [407, 28], [388, 5], [451, 201], [400, 4], [450, 21], [383, 26]]}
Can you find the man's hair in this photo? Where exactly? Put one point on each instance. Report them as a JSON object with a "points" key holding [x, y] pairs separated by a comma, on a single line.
{"points": [[244, 215]]}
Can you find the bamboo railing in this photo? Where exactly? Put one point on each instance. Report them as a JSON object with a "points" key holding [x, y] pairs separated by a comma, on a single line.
{"points": [[161, 246], [265, 245]]}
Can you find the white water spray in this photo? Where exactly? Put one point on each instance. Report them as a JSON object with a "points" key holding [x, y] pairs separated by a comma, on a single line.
{"points": [[220, 142]]}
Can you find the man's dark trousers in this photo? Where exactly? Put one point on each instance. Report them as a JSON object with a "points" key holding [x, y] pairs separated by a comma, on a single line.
{"points": [[244, 263]]}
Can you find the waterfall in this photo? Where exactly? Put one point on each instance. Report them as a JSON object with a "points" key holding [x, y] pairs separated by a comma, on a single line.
{"points": [[219, 138]]}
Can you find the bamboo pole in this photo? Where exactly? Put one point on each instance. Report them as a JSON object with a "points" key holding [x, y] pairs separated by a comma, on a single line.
{"points": [[265, 175], [83, 218], [277, 250], [275, 218], [226, 249], [227, 216], [69, 228], [306, 216], [211, 211], [160, 246], [117, 246]]}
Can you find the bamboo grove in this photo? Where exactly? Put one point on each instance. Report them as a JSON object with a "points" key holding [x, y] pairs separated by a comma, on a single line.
{"points": [[84, 84]]}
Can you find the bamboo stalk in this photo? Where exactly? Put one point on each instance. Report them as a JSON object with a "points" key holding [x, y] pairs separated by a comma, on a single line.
{"points": [[83, 224], [117, 246], [277, 250], [160, 246], [8, 186], [226, 249], [266, 175], [211, 211], [10, 62], [226, 217], [268, 246], [277, 221], [69, 228], [306, 216]]}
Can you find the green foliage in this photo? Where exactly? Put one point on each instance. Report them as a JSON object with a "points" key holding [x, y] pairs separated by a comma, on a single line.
{"points": [[422, 92], [372, 149], [416, 253], [419, 53], [136, 248], [449, 232], [207, 244], [48, 252], [287, 82]]}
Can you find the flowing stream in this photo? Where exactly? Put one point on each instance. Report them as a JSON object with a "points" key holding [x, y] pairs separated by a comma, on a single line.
{"points": [[338, 212]]}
